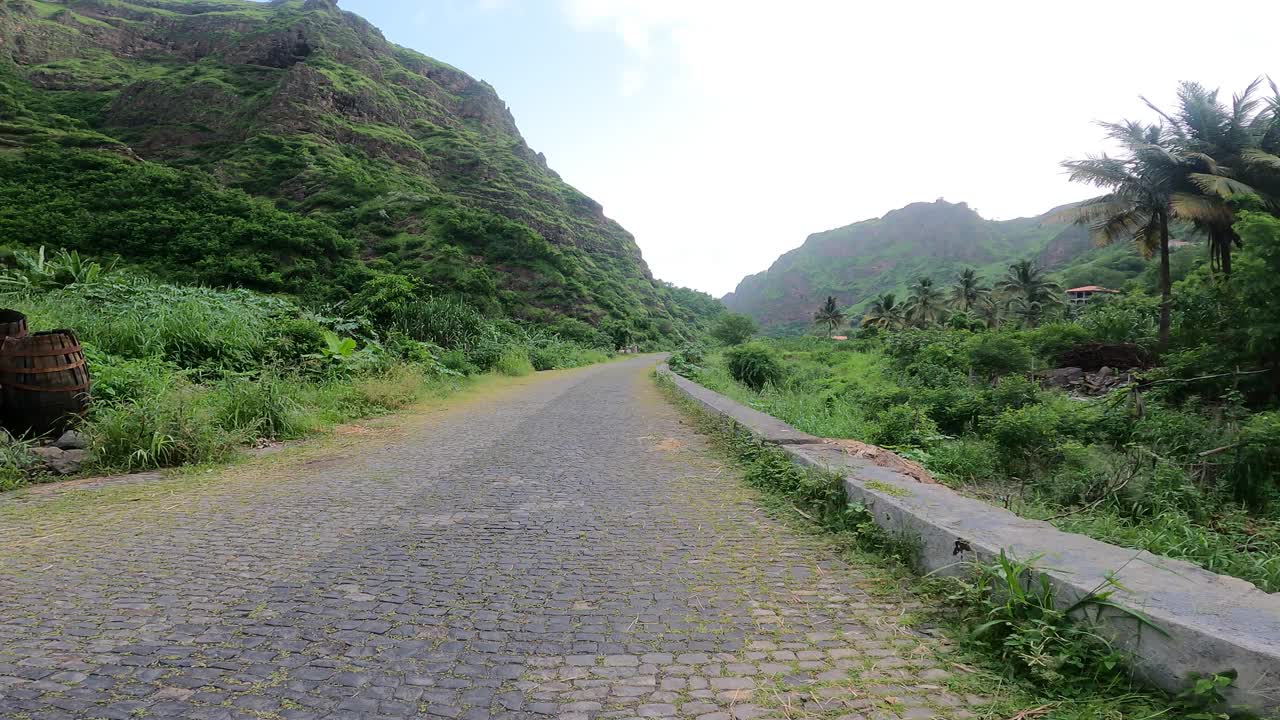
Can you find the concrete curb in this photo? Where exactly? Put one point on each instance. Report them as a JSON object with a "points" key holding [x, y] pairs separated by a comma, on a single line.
{"points": [[1211, 623]]}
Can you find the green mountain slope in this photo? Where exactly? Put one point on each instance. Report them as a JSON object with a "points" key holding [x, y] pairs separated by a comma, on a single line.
{"points": [[287, 146], [856, 262]]}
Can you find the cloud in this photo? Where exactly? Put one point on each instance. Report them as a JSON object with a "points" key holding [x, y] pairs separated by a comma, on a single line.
{"points": [[799, 117], [634, 79]]}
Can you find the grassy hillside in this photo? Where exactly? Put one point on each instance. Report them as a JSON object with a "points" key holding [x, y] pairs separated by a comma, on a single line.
{"points": [[288, 147], [858, 261]]}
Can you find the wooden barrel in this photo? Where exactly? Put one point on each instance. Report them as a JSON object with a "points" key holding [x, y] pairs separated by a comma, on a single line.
{"points": [[12, 324], [44, 381]]}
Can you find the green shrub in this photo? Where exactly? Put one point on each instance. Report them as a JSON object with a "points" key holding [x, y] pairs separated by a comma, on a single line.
{"points": [[687, 360], [514, 361], [904, 347], [904, 426], [264, 407], [1012, 391], [753, 365], [175, 428], [1130, 318], [1049, 341], [964, 461], [17, 465], [456, 360], [946, 355], [544, 358], [1254, 469], [120, 380], [1027, 438], [1177, 434], [995, 354], [1015, 615], [294, 338], [955, 407]]}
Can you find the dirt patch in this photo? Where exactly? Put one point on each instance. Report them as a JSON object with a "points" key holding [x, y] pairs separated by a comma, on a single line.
{"points": [[669, 444], [885, 459]]}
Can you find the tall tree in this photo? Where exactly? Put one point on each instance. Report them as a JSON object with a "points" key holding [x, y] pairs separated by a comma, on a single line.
{"points": [[968, 290], [1028, 291], [1141, 187], [988, 311], [1221, 147], [733, 328], [885, 313], [925, 304], [830, 315]]}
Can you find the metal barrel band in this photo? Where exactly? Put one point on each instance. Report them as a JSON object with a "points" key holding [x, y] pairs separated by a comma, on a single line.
{"points": [[46, 388], [42, 353], [4, 370]]}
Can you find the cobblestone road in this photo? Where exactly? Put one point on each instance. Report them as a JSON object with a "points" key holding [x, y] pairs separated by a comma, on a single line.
{"points": [[568, 549]]}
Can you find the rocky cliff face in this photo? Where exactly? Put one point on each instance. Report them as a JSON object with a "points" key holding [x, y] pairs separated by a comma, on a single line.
{"points": [[856, 262], [310, 105]]}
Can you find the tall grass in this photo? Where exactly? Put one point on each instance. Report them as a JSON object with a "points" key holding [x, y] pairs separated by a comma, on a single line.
{"points": [[193, 327]]}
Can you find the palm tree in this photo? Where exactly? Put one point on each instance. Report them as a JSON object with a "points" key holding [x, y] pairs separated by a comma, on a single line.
{"points": [[924, 306], [967, 291], [885, 313], [830, 315], [1142, 185], [1221, 147], [1029, 292], [988, 311]]}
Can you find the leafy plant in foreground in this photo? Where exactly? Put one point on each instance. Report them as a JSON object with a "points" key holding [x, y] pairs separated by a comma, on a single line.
{"points": [[1014, 613]]}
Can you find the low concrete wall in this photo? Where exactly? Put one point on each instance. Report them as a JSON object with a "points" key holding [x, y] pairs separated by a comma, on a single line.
{"points": [[1211, 623]]}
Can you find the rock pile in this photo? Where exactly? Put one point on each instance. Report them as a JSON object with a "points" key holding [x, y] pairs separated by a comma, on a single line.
{"points": [[65, 455], [1075, 379]]}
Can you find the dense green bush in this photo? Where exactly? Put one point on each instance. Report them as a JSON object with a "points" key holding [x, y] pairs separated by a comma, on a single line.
{"points": [[733, 328], [1127, 319], [904, 426], [753, 365], [514, 361], [964, 461], [995, 354], [1027, 437]]}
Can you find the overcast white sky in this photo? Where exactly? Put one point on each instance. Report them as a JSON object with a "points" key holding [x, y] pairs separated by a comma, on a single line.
{"points": [[722, 132]]}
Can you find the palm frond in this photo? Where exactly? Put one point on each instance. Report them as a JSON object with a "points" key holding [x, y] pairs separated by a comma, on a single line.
{"points": [[1147, 237], [1219, 185], [1092, 210], [1118, 226], [1201, 209], [1099, 171], [1261, 159]]}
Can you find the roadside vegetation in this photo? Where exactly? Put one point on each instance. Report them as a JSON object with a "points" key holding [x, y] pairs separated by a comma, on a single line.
{"points": [[1166, 437], [188, 374], [1015, 644]]}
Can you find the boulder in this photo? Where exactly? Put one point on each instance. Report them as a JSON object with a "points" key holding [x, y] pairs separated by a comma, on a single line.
{"points": [[48, 454], [72, 440], [1061, 377], [69, 463]]}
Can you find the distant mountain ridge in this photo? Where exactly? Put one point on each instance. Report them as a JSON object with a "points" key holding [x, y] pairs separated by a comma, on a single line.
{"points": [[856, 262]]}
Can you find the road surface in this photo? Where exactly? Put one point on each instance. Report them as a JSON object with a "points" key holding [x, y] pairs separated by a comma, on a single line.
{"points": [[568, 547]]}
